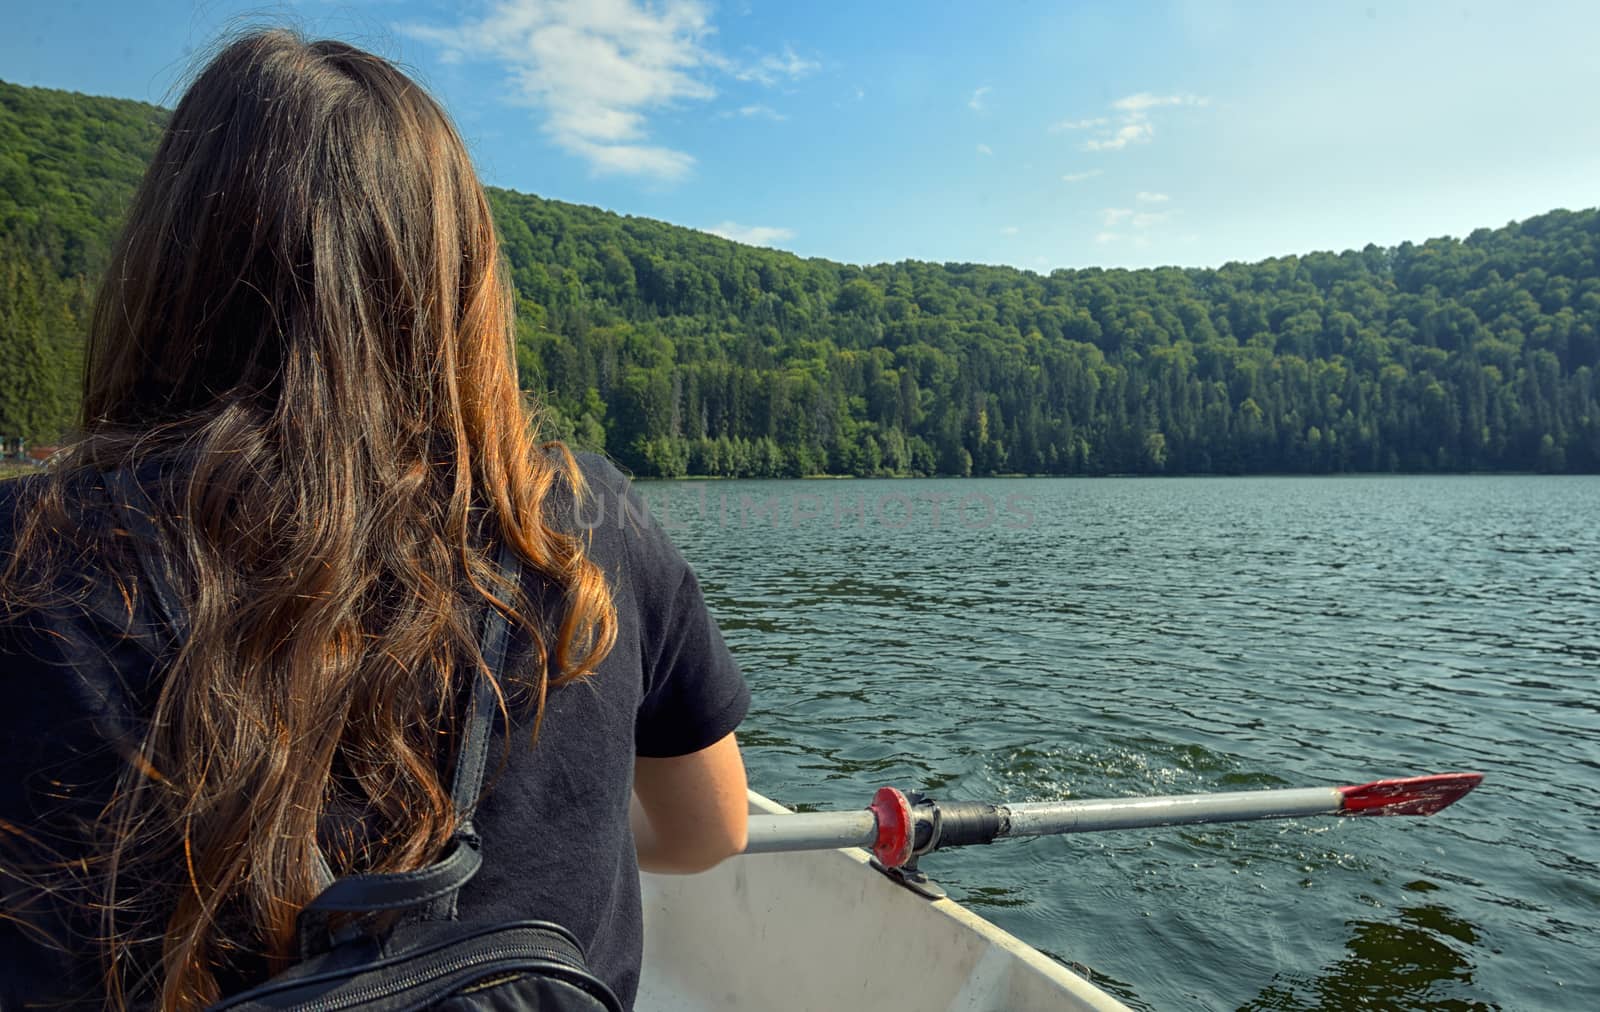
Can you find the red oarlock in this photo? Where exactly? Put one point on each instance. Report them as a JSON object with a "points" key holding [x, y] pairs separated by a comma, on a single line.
{"points": [[896, 834]]}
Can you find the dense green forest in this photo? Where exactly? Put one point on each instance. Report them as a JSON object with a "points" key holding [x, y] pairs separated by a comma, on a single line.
{"points": [[679, 352]]}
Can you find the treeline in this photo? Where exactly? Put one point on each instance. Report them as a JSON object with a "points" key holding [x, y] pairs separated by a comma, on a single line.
{"points": [[68, 166], [679, 352]]}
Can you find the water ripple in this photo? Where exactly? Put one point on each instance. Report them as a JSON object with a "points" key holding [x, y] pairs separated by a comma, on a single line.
{"points": [[1123, 637]]}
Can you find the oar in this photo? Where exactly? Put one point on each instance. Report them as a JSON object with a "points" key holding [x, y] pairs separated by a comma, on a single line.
{"points": [[899, 829]]}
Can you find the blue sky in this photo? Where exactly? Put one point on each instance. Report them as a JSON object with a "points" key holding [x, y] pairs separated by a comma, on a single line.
{"points": [[1041, 135]]}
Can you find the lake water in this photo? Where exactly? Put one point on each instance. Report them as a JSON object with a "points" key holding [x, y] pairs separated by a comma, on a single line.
{"points": [[1038, 639]]}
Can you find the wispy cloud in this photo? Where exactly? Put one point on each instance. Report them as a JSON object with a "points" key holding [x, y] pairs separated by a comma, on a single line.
{"points": [[1111, 217], [632, 159], [754, 235], [1132, 124], [1132, 133], [1143, 102], [1146, 197], [1010, 230], [757, 112], [595, 71], [857, 94], [1104, 237], [775, 68], [1078, 177], [975, 103], [984, 149]]}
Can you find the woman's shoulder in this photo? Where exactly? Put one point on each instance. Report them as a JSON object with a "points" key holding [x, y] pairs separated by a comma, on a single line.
{"points": [[606, 501], [597, 470], [622, 534]]}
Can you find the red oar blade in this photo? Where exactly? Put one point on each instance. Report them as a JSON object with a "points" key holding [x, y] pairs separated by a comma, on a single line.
{"points": [[1410, 796]]}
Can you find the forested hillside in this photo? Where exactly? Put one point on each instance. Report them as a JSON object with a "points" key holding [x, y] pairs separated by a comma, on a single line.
{"points": [[679, 352], [67, 166]]}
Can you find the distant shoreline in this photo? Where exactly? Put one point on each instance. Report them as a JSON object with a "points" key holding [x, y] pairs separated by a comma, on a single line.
{"points": [[1096, 477]]}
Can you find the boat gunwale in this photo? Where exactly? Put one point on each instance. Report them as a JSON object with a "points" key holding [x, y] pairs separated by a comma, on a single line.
{"points": [[1079, 986]]}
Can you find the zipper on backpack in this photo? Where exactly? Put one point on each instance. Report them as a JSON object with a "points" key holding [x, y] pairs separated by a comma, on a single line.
{"points": [[393, 987]]}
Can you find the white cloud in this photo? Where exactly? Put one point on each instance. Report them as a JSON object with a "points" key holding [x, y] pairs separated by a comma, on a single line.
{"points": [[975, 103], [772, 69], [1132, 133], [1145, 197], [761, 112], [596, 70], [754, 235], [1078, 124], [632, 159], [1133, 124], [1143, 102], [1078, 177], [1111, 217], [984, 149], [1010, 230], [1104, 237]]}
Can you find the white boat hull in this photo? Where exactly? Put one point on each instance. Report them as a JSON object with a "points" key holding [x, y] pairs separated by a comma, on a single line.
{"points": [[824, 931]]}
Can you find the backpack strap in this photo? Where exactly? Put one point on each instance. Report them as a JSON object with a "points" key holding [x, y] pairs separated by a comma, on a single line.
{"points": [[474, 753], [436, 886], [473, 756]]}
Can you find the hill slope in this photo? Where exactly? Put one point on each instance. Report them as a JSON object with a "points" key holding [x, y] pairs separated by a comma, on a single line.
{"points": [[678, 351]]}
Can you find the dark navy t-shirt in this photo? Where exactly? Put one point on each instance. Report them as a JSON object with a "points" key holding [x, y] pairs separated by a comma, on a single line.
{"points": [[554, 818]]}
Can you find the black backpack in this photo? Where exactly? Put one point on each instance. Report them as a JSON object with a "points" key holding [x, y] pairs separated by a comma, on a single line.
{"points": [[429, 960]]}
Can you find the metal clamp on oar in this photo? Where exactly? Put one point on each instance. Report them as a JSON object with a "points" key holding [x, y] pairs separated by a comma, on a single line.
{"points": [[908, 826], [934, 825], [900, 828]]}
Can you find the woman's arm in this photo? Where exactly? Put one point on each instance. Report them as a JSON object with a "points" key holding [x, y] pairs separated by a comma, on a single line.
{"points": [[689, 812]]}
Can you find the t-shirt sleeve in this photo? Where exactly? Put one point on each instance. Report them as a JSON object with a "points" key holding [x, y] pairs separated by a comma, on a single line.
{"points": [[693, 691]]}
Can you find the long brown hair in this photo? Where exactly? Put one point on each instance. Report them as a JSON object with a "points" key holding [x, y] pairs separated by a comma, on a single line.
{"points": [[307, 330]]}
